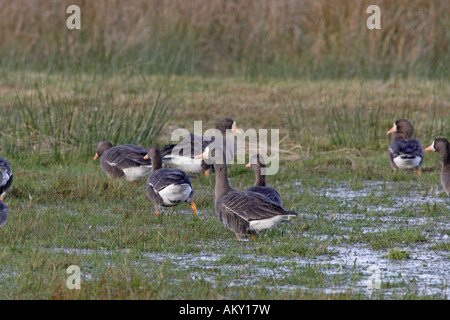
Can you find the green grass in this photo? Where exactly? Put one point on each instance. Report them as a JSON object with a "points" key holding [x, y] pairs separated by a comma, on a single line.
{"points": [[64, 210]]}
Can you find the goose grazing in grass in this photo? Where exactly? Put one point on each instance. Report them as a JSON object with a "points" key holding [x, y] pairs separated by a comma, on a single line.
{"points": [[259, 166], [170, 186], [6, 177], [243, 212], [442, 146], [4, 212], [405, 152], [182, 155], [124, 161]]}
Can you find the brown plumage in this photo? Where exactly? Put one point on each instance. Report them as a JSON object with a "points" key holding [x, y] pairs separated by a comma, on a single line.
{"points": [[124, 161], [442, 146], [244, 212]]}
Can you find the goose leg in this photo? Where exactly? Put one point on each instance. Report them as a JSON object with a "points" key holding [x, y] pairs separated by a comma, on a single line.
{"points": [[194, 207]]}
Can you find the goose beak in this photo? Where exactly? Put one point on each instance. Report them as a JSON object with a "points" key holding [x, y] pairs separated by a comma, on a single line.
{"points": [[430, 148], [248, 165], [202, 156], [235, 129], [393, 129], [146, 157], [96, 156]]}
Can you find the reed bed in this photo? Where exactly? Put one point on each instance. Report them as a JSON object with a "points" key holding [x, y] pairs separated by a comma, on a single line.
{"points": [[250, 38], [68, 126]]}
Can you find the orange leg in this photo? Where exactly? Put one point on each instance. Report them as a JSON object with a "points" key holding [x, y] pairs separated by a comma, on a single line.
{"points": [[194, 207], [157, 213], [419, 172], [253, 237], [207, 173]]}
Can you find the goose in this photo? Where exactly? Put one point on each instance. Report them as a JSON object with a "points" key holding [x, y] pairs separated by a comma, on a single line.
{"points": [[182, 155], [4, 212], [405, 152], [442, 146], [243, 212], [170, 186], [258, 165], [6, 177], [124, 161]]}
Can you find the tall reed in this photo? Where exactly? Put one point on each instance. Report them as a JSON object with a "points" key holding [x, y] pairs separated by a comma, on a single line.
{"points": [[252, 38], [68, 127]]}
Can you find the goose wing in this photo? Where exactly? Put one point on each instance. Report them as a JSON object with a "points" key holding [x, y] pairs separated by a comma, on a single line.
{"points": [[125, 157], [409, 146], [162, 178]]}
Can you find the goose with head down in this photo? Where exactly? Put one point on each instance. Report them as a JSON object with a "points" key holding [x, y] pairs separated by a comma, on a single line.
{"points": [[182, 155], [405, 152], [170, 186], [124, 161], [243, 212], [442, 146], [6, 177]]}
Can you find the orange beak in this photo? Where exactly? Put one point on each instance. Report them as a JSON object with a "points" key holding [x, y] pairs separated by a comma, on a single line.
{"points": [[235, 129], [393, 129], [430, 148], [202, 156], [248, 165], [96, 156], [146, 157]]}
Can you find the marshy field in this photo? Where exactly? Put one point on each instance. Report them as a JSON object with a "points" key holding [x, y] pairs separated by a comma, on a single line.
{"points": [[137, 71]]}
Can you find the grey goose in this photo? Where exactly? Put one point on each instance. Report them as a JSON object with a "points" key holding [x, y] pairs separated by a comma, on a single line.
{"points": [[405, 152], [259, 166], [442, 146], [182, 155], [243, 212], [123, 161], [6, 177], [4, 212], [168, 187]]}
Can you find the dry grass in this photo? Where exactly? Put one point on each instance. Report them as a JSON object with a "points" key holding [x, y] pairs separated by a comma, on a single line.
{"points": [[299, 38]]}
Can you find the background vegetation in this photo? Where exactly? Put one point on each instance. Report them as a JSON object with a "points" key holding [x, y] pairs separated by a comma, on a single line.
{"points": [[313, 39]]}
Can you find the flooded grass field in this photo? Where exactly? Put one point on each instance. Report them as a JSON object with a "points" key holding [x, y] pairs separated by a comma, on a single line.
{"points": [[363, 232]]}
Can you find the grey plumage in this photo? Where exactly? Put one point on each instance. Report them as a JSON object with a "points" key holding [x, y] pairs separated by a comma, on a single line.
{"points": [[442, 146], [124, 161], [6, 177], [258, 165], [182, 155], [4, 213], [405, 152], [245, 212], [168, 187]]}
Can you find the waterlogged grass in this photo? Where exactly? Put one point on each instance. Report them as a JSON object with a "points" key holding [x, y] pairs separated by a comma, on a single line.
{"points": [[354, 212]]}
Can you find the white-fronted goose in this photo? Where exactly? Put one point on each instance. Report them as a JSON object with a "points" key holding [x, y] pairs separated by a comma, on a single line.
{"points": [[243, 212], [182, 155], [168, 187], [124, 161], [442, 146], [259, 166], [6, 177], [405, 152], [4, 213]]}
